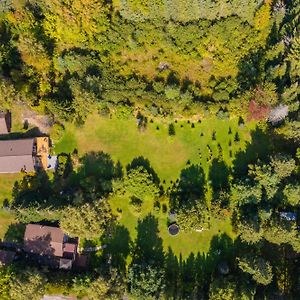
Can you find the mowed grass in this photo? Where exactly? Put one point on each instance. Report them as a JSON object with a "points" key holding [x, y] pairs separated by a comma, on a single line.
{"points": [[6, 187], [7, 182], [168, 155], [184, 243]]}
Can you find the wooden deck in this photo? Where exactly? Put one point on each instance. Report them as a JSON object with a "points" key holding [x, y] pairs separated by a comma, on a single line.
{"points": [[42, 150]]}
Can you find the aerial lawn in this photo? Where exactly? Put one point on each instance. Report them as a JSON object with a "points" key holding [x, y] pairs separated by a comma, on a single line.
{"points": [[6, 186], [168, 155], [197, 143], [184, 243]]}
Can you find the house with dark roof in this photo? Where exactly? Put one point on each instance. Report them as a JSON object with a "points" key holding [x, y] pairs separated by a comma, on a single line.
{"points": [[17, 156], [5, 122], [24, 155], [51, 243]]}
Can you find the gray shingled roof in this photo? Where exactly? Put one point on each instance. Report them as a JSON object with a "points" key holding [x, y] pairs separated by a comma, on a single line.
{"points": [[16, 155], [16, 164]]}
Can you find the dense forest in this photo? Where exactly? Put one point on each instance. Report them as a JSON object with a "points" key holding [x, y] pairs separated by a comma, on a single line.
{"points": [[152, 60]]}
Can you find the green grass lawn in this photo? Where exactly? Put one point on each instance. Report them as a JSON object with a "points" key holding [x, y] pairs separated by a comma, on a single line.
{"points": [[168, 156], [6, 219], [6, 186], [184, 242]]}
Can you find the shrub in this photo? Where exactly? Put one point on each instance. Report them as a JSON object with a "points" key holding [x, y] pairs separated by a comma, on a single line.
{"points": [[213, 135], [157, 206], [164, 208], [236, 137], [57, 132], [241, 122], [171, 129]]}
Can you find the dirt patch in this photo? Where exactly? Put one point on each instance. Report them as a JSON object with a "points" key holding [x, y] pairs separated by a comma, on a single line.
{"points": [[43, 122]]}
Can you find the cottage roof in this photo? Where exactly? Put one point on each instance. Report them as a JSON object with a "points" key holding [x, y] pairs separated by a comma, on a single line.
{"points": [[44, 240], [16, 155], [15, 164], [16, 147]]}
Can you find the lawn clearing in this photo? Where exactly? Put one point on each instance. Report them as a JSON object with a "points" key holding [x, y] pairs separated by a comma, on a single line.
{"points": [[168, 155], [199, 143], [184, 243], [6, 186]]}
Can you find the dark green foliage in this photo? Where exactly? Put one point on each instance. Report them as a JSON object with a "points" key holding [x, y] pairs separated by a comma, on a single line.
{"points": [[171, 129], [213, 137], [236, 137], [161, 58], [191, 185], [145, 272], [219, 175]]}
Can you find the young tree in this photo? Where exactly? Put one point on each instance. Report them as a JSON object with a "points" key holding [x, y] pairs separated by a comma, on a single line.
{"points": [[171, 129], [146, 282], [137, 183], [88, 221], [29, 284], [258, 268]]}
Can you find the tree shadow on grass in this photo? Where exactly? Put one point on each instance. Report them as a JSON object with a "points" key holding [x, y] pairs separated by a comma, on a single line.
{"points": [[148, 245], [146, 272], [118, 246], [92, 181], [190, 278], [34, 189], [261, 146], [31, 133], [191, 187], [96, 174], [219, 177], [222, 248], [15, 233]]}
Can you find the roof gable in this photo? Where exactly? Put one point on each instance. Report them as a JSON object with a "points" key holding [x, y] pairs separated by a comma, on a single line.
{"points": [[16, 147], [15, 164], [44, 240]]}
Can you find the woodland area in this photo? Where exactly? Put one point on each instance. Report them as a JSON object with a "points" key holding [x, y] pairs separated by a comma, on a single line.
{"points": [[161, 112]]}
